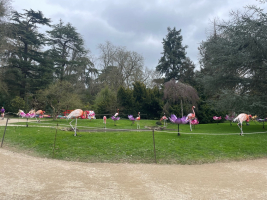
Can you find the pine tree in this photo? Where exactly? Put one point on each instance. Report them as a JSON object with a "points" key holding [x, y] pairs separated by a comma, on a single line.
{"points": [[26, 62], [170, 64]]}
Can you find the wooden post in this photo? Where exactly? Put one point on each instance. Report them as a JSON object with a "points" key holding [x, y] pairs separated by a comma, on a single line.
{"points": [[4, 133], [55, 140], [154, 147]]}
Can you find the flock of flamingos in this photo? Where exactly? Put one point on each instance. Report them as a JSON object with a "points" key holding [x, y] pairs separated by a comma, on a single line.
{"points": [[190, 118]]}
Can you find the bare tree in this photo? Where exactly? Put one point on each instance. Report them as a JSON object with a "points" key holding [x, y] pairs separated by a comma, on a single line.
{"points": [[177, 91], [123, 65]]}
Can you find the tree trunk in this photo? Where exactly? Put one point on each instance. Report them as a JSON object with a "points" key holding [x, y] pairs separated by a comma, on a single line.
{"points": [[182, 110]]}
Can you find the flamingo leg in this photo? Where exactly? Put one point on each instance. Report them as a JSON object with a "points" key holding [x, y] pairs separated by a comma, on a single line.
{"points": [[75, 134], [37, 119], [240, 127], [190, 125], [71, 125]]}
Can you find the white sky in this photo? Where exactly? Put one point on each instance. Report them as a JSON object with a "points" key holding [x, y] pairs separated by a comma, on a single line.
{"points": [[138, 25]]}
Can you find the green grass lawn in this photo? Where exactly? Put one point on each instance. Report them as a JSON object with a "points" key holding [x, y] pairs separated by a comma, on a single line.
{"points": [[122, 142]]}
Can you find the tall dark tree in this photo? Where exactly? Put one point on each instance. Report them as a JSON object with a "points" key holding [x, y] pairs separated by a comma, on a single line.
{"points": [[4, 31], [26, 63], [234, 65], [68, 52], [174, 54], [125, 100]]}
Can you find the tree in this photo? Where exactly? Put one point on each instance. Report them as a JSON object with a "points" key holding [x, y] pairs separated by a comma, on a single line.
{"points": [[4, 28], [125, 100], [60, 96], [174, 55], [106, 101], [68, 53], [26, 62], [126, 66], [234, 63], [179, 93], [16, 104]]}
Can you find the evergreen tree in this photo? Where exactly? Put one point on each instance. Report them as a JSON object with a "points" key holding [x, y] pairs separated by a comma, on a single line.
{"points": [[170, 64], [68, 52], [233, 63], [106, 102], [26, 63], [125, 100]]}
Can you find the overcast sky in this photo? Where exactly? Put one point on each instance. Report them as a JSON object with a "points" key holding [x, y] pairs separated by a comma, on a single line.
{"points": [[139, 25]]}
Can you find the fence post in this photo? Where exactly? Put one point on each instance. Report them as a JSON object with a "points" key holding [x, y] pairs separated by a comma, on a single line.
{"points": [[4, 133]]}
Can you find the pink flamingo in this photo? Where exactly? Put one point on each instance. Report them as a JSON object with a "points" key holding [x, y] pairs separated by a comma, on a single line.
{"points": [[190, 117], [240, 118], [165, 120], [88, 114], [138, 120], [28, 115], [76, 113], [105, 120], [194, 122], [40, 114], [217, 118]]}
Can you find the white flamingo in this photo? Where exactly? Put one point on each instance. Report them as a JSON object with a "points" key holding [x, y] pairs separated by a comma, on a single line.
{"points": [[240, 118], [76, 113]]}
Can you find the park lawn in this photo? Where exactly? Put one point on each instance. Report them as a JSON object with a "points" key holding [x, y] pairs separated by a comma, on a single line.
{"points": [[207, 143]]}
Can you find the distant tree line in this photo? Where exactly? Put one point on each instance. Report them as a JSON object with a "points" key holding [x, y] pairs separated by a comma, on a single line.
{"points": [[52, 70]]}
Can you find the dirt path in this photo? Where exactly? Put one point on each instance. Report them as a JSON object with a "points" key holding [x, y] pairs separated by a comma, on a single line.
{"points": [[26, 177]]}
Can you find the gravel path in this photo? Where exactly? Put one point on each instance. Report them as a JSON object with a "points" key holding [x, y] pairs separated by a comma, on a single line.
{"points": [[27, 177]]}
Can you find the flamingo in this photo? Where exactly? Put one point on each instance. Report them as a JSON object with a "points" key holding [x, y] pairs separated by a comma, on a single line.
{"points": [[40, 114], [105, 120], [217, 118], [138, 120], [30, 114], [165, 120], [88, 114], [190, 117], [240, 118], [117, 113], [76, 113]]}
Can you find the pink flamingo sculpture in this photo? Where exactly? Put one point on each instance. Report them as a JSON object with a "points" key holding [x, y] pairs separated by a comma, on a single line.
{"points": [[194, 122], [240, 118], [105, 120], [190, 117], [40, 114], [217, 118], [165, 120], [138, 120], [30, 114], [75, 113], [88, 114]]}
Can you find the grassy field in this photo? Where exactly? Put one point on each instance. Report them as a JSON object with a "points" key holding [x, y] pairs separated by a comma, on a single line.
{"points": [[122, 142]]}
